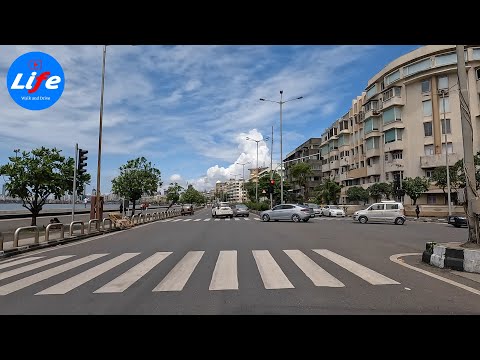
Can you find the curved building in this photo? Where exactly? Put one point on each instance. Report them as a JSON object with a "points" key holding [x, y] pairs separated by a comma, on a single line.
{"points": [[404, 122]]}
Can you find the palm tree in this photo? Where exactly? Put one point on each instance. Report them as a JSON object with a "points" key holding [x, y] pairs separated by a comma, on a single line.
{"points": [[301, 173], [329, 191]]}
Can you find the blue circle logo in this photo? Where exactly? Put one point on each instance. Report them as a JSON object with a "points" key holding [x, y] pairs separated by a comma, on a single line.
{"points": [[35, 81]]}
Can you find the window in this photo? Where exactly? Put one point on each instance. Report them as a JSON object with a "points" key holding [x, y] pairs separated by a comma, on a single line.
{"points": [[478, 73], [429, 173], [372, 91], [431, 199], [446, 59], [386, 157], [443, 82], [428, 149], [449, 147], [390, 78], [372, 143], [427, 128], [447, 105], [369, 163], [371, 105], [426, 86], [476, 54], [390, 136], [386, 176], [395, 91], [449, 131], [391, 115], [370, 125], [427, 107], [417, 67], [397, 155], [391, 206]]}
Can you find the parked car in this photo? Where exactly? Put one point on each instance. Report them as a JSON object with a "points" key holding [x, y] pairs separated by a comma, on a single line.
{"points": [[240, 210], [457, 221], [332, 210], [317, 210], [385, 211], [292, 212], [187, 209], [222, 209]]}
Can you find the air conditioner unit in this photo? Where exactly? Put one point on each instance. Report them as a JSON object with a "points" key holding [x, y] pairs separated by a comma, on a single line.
{"points": [[376, 112]]}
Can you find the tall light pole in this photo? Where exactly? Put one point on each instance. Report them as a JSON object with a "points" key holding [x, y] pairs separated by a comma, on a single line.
{"points": [[446, 153], [243, 176], [256, 184], [271, 170], [97, 197], [281, 102]]}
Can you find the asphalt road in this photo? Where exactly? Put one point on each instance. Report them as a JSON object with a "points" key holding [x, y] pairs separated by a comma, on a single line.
{"points": [[199, 265]]}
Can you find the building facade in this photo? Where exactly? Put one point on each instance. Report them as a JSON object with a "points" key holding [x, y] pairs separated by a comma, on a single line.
{"points": [[404, 122]]}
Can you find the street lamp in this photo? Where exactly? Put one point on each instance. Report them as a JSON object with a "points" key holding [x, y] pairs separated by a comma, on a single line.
{"points": [[243, 176], [442, 91], [281, 102], [256, 184]]}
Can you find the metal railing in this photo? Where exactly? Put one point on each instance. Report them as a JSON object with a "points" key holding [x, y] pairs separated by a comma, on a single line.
{"points": [[82, 228], [17, 233], [103, 223], [1, 241], [93, 221], [49, 226]]}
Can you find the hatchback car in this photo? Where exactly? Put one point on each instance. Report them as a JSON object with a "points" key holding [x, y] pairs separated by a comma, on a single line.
{"points": [[187, 209], [457, 221], [291, 212], [385, 211], [332, 210], [240, 210], [222, 209], [317, 210]]}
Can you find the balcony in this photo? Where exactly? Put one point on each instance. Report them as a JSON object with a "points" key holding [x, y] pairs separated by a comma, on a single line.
{"points": [[357, 173], [326, 167], [372, 112], [394, 165], [392, 146], [396, 100], [398, 124], [335, 164], [373, 133], [345, 161], [374, 169], [437, 160], [372, 152]]}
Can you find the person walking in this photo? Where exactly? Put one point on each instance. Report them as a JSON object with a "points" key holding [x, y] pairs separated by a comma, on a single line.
{"points": [[417, 211], [121, 208]]}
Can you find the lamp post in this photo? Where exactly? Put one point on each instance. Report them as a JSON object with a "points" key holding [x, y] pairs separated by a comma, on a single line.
{"points": [[256, 184], [243, 176], [281, 102], [446, 152]]}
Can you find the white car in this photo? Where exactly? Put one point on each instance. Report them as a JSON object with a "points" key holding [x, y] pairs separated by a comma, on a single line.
{"points": [[222, 209], [385, 211], [332, 210]]}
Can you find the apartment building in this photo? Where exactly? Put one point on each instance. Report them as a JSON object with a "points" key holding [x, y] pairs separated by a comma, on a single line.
{"points": [[231, 190], [308, 152], [404, 122]]}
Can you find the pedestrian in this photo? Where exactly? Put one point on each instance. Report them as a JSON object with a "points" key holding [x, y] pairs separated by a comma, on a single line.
{"points": [[85, 202], [417, 211], [121, 208]]}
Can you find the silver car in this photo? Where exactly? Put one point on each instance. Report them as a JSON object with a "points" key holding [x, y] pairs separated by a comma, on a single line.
{"points": [[291, 212], [240, 210]]}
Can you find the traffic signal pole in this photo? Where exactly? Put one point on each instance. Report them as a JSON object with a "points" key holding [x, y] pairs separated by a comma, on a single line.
{"points": [[74, 182]]}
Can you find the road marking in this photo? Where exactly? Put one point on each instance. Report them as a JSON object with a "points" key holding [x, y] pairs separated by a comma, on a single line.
{"points": [[35, 278], [166, 220], [179, 275], [207, 220], [187, 220], [227, 219], [396, 259], [176, 220], [69, 284], [26, 268], [246, 219], [237, 219], [217, 220], [129, 277], [313, 271], [17, 262], [272, 275], [361, 271], [225, 273], [197, 219], [256, 219]]}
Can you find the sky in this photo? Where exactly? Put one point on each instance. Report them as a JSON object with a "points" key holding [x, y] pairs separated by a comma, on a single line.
{"points": [[188, 109]]}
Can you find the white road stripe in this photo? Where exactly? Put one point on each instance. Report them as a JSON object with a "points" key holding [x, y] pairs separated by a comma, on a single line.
{"points": [[237, 219], [197, 219], [23, 269], [272, 276], [361, 271], [166, 220], [69, 284], [187, 220], [225, 273], [318, 275], [206, 220], [176, 220], [35, 278], [129, 277], [256, 219], [246, 219], [179, 275], [20, 261], [217, 220], [227, 219]]}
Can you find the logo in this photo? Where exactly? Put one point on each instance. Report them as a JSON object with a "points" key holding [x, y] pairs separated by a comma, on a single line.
{"points": [[35, 81]]}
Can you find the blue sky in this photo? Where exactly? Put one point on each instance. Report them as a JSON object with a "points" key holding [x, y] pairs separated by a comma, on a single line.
{"points": [[188, 109]]}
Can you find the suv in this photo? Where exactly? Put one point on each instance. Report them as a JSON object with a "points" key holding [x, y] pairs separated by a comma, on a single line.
{"points": [[187, 209], [385, 211], [222, 209]]}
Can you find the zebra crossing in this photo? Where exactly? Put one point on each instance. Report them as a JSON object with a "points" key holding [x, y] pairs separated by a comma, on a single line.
{"points": [[235, 219], [224, 276]]}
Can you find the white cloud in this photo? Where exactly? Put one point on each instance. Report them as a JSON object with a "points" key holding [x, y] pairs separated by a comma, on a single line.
{"points": [[176, 178]]}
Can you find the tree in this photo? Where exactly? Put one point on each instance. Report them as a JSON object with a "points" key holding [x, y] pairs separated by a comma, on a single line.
{"points": [[263, 183], [328, 191], [173, 193], [376, 191], [461, 171], [386, 189], [301, 172], [137, 177], [192, 196], [358, 193], [439, 176], [415, 187], [36, 175]]}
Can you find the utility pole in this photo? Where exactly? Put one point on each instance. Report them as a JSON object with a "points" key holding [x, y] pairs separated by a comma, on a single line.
{"points": [[74, 182], [468, 159], [446, 154], [271, 170]]}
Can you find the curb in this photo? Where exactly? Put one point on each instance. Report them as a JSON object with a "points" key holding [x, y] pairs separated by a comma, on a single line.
{"points": [[454, 258]]}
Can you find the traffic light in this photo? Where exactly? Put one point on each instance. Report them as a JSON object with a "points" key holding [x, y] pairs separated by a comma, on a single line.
{"points": [[271, 186], [81, 164]]}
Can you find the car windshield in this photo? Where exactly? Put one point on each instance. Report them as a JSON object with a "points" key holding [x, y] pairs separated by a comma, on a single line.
{"points": [[313, 206], [334, 207]]}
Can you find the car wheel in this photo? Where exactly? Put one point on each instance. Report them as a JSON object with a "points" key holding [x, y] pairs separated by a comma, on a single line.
{"points": [[231, 216], [362, 219], [306, 219], [295, 218], [247, 215], [329, 214], [265, 218], [399, 221]]}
